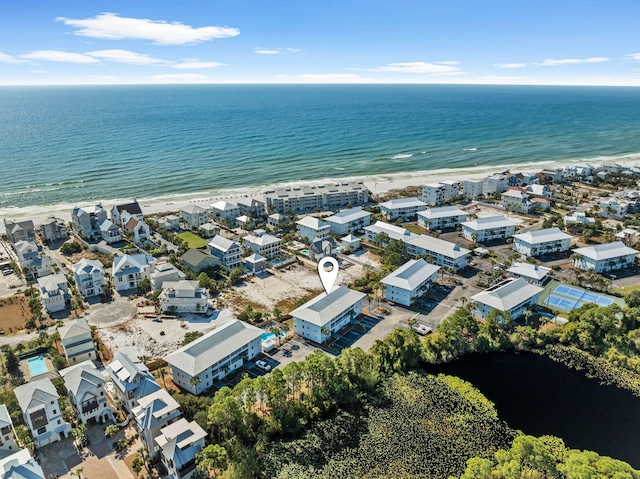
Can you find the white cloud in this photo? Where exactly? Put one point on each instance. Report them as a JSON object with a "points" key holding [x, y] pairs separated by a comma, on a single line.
{"points": [[60, 56], [420, 67], [633, 56], [509, 65], [114, 27], [195, 64], [126, 56], [5, 58], [274, 51], [550, 62], [324, 78], [170, 77]]}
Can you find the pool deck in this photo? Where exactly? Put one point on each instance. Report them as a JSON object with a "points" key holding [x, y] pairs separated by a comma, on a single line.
{"points": [[50, 372]]}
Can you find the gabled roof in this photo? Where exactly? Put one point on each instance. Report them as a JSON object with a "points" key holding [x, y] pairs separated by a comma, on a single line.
{"points": [[394, 232], [131, 263], [222, 244], [438, 246], [82, 378], [346, 216], [107, 225], [75, 328], [52, 282], [529, 270], [13, 226], [250, 202], [195, 256], [23, 247], [193, 209], [403, 203], [262, 240], [5, 418], [508, 294], [350, 238], [131, 224], [126, 368], [324, 307], [214, 346], [311, 222], [183, 285], [488, 223], [515, 194], [87, 266], [152, 407], [131, 208], [442, 212], [39, 392], [224, 206], [411, 274], [20, 465], [176, 441], [542, 236], [614, 249], [319, 245]]}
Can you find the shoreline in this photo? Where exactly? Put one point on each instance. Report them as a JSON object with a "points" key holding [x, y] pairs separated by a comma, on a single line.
{"points": [[376, 184]]}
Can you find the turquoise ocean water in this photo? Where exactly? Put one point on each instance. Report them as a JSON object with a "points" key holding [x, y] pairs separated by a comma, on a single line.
{"points": [[68, 145]]}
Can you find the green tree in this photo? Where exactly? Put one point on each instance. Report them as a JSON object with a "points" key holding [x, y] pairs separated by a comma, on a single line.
{"points": [[212, 460], [144, 285]]}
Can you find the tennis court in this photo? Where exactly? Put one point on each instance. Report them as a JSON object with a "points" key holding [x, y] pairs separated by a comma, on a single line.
{"points": [[567, 297], [565, 304]]}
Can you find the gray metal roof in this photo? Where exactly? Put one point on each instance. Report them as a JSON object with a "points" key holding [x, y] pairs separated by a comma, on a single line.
{"points": [[488, 223], [403, 203], [42, 391], [507, 294], [312, 222], [75, 328], [323, 308], [614, 249], [438, 246], [221, 243], [394, 232], [411, 275], [529, 270], [81, 378], [542, 236], [88, 266], [346, 216], [442, 212]]}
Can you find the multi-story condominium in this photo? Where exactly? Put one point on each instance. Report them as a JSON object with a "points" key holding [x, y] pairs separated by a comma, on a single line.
{"points": [[252, 207], [179, 443], [85, 386], [578, 220], [89, 277], [517, 200], [471, 189], [7, 441], [41, 412], [325, 314], [164, 272], [441, 192], [533, 273], [494, 184], [197, 260], [445, 217], [213, 356], [488, 229], [613, 208], [226, 250], [513, 295], [225, 210], [410, 281], [87, 220], [440, 252], [34, 262], [264, 244], [349, 221], [605, 257], [77, 341], [541, 242], [20, 230], [184, 297], [404, 208], [194, 215], [153, 412], [311, 228], [53, 229], [391, 231], [110, 232], [131, 378], [20, 465], [139, 229], [300, 199], [54, 292], [121, 214], [129, 269]]}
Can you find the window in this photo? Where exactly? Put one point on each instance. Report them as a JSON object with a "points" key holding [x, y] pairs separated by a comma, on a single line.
{"points": [[42, 430], [55, 411], [58, 421]]}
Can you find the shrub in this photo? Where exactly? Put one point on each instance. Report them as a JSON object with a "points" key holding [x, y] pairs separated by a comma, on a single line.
{"points": [[70, 247]]}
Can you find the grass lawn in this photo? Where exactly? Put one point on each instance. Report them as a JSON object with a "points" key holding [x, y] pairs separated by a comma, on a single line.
{"points": [[626, 289], [416, 229], [194, 241]]}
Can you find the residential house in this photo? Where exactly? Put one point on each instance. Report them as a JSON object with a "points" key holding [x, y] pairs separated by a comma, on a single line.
{"points": [[629, 236], [541, 242], [198, 365], [41, 412], [129, 269], [53, 229], [19, 230], [153, 412], [494, 184], [555, 175], [77, 341], [194, 215], [403, 208], [162, 272], [264, 244], [110, 232], [85, 386], [209, 230], [538, 191], [471, 189], [20, 465], [441, 252], [180, 443], [532, 273], [89, 277], [121, 214], [54, 292], [488, 229], [517, 200], [632, 198], [543, 204], [275, 220], [184, 297], [325, 314], [34, 262], [513, 296], [321, 248], [169, 222], [393, 232], [311, 228], [613, 208], [445, 217], [7, 441], [87, 220], [225, 210], [578, 220], [255, 263], [300, 199], [226, 250], [605, 257], [131, 378], [139, 229], [252, 207], [197, 260], [349, 221], [410, 281], [350, 242]]}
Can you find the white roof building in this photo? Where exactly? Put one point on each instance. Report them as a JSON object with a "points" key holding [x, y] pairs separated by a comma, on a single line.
{"points": [[444, 253], [605, 257], [410, 281], [405, 208], [394, 232], [541, 242], [311, 228], [77, 341], [20, 465], [179, 444], [531, 272], [129, 269], [488, 229], [513, 295], [54, 292], [441, 218], [131, 378], [264, 244], [226, 250], [348, 221], [85, 386], [184, 297], [89, 276]]}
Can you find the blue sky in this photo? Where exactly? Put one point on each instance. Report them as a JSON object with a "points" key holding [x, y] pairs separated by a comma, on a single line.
{"points": [[562, 42]]}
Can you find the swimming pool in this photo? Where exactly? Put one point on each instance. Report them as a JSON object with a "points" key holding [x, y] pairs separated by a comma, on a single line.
{"points": [[268, 336], [37, 366]]}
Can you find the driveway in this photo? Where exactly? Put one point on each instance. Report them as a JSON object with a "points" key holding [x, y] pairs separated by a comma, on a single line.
{"points": [[111, 314]]}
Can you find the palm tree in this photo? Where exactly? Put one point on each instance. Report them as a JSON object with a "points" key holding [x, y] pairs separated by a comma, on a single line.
{"points": [[77, 472], [527, 316], [325, 332], [194, 381], [162, 372], [463, 300]]}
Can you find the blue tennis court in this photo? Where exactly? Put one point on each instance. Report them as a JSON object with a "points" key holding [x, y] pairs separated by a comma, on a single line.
{"points": [[559, 302], [567, 297]]}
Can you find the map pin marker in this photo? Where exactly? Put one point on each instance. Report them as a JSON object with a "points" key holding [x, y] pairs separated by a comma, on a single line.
{"points": [[328, 277]]}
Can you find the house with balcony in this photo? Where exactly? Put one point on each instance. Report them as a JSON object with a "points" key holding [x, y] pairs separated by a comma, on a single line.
{"points": [[410, 282], [444, 217], [311, 228], [255, 263], [129, 269], [183, 297], [488, 229], [605, 257], [629, 236], [613, 208], [162, 272], [227, 251], [325, 314], [121, 214], [34, 262], [179, 444], [110, 232], [19, 230], [210, 358], [38, 401], [77, 341], [54, 292], [440, 252], [85, 386], [578, 221], [89, 277], [541, 242], [251, 207], [131, 378], [87, 220], [393, 232], [139, 230], [194, 215], [153, 412], [20, 465], [53, 229], [517, 200], [264, 244], [209, 230], [438, 193], [349, 221], [7, 441], [513, 295], [403, 208], [225, 210]]}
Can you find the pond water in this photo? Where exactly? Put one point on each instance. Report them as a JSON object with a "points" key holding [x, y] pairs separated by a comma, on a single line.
{"points": [[539, 396]]}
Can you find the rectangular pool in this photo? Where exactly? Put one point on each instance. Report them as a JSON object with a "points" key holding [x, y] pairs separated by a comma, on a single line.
{"points": [[37, 366]]}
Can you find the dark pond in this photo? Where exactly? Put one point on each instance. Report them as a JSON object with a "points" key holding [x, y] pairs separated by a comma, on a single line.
{"points": [[539, 396]]}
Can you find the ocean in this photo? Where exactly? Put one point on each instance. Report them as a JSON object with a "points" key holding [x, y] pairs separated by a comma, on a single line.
{"points": [[61, 146]]}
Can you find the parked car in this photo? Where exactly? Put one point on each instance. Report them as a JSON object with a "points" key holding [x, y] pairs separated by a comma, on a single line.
{"points": [[263, 365], [421, 328]]}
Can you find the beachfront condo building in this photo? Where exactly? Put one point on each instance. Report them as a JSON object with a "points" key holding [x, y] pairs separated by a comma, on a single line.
{"points": [[438, 193], [471, 189], [605, 257], [494, 184], [541, 242], [403, 208], [513, 295], [87, 220], [440, 252], [302, 199], [444, 217], [410, 282], [252, 207], [349, 221], [517, 200], [488, 229]]}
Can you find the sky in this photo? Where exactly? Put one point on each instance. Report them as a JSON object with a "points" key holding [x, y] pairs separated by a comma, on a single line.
{"points": [[546, 42]]}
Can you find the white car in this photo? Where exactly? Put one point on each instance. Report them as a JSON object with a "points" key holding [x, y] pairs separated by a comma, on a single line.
{"points": [[263, 365]]}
